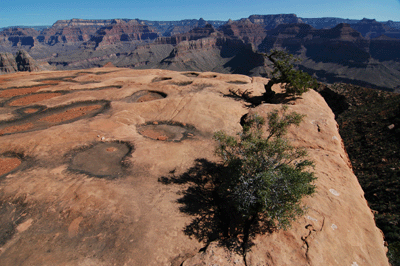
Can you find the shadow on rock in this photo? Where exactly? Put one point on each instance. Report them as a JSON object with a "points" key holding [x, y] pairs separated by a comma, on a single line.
{"points": [[215, 217]]}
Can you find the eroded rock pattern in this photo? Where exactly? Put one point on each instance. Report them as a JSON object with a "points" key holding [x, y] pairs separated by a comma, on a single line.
{"points": [[60, 210]]}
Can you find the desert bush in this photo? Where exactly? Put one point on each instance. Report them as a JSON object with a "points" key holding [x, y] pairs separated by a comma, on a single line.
{"points": [[266, 175], [295, 82]]}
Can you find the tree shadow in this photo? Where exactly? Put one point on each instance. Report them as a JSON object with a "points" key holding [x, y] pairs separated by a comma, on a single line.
{"points": [[268, 97], [215, 218]]}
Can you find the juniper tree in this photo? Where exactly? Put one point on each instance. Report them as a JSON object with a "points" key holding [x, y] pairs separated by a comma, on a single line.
{"points": [[295, 82], [266, 175]]}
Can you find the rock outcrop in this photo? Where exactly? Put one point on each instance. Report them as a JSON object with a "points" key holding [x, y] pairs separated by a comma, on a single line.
{"points": [[221, 54], [22, 61], [246, 30], [66, 35], [195, 34], [7, 63], [120, 31], [18, 37], [95, 164], [340, 54], [370, 28], [25, 62]]}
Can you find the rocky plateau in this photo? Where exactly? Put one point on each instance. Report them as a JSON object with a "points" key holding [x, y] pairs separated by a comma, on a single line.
{"points": [[83, 154]]}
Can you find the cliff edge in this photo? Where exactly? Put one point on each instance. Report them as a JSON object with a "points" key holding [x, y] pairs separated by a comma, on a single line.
{"points": [[82, 154]]}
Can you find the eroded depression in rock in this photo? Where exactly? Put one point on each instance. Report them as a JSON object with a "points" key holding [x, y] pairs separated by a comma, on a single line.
{"points": [[104, 160], [145, 96], [12, 92], [38, 118], [166, 131], [8, 164], [32, 98]]}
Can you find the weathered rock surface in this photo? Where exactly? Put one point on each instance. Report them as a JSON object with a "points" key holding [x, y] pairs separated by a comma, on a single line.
{"points": [[195, 34], [22, 61], [245, 30], [25, 62], [219, 54], [17, 37], [7, 63], [121, 31], [58, 209]]}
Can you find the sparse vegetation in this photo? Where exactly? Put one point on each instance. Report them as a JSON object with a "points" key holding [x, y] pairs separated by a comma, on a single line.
{"points": [[295, 82], [265, 175]]}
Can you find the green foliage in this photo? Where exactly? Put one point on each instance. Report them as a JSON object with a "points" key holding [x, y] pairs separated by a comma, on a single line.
{"points": [[265, 175], [295, 82]]}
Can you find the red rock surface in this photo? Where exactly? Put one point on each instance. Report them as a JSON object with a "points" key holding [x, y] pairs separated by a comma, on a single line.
{"points": [[62, 216]]}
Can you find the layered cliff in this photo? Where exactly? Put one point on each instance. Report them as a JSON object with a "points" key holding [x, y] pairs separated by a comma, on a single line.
{"points": [[121, 31], [246, 30]]}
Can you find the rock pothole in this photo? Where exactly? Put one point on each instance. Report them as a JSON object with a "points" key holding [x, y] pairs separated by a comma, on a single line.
{"points": [[8, 164], [158, 79], [191, 74], [32, 98], [30, 110], [145, 96], [239, 82], [103, 160], [183, 83], [12, 92], [31, 121], [166, 131]]}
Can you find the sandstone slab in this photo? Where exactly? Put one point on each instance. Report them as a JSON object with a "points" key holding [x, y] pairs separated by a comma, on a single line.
{"points": [[58, 210]]}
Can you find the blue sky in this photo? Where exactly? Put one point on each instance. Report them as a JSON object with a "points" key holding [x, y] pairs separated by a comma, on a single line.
{"points": [[46, 12]]}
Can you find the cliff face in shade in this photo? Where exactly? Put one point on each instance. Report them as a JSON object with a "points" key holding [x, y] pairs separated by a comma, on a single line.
{"points": [[221, 54], [18, 37], [7, 63], [90, 149], [22, 61], [370, 28], [25, 62]]}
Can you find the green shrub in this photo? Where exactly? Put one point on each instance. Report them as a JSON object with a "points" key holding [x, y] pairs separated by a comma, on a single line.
{"points": [[295, 82], [266, 175]]}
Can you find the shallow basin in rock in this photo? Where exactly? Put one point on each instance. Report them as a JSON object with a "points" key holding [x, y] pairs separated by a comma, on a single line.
{"points": [[145, 96], [166, 131], [103, 159]]}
